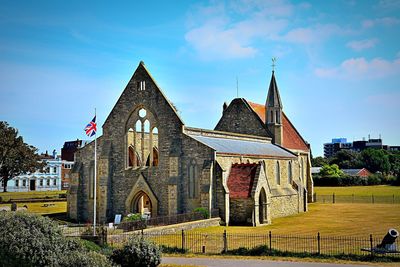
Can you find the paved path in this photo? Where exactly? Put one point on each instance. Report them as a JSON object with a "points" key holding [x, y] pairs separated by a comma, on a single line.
{"points": [[218, 262]]}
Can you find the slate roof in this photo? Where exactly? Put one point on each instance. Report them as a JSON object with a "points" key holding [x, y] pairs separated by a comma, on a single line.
{"points": [[291, 137], [241, 180], [225, 145]]}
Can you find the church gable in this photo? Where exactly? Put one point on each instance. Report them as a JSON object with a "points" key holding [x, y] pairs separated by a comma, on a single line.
{"points": [[238, 117], [141, 91]]}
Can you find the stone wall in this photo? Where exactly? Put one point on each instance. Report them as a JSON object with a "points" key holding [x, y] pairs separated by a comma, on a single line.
{"points": [[241, 210], [240, 118]]}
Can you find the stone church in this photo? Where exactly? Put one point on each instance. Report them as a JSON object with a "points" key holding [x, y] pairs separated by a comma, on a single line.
{"points": [[253, 167]]}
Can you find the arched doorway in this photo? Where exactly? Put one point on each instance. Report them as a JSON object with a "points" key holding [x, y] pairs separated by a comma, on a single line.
{"points": [[141, 203], [262, 207]]}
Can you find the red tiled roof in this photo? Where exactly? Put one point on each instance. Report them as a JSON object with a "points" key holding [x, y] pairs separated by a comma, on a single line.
{"points": [[291, 138], [241, 179]]}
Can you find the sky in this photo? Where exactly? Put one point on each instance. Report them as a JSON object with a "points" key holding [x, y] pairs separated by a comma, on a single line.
{"points": [[337, 69]]}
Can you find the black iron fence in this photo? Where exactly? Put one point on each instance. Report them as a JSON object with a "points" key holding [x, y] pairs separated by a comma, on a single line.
{"points": [[213, 243], [333, 198]]}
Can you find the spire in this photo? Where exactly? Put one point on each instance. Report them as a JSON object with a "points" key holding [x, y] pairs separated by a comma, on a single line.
{"points": [[273, 98]]}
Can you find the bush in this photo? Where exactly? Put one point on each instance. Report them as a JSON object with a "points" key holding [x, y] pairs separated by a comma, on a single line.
{"points": [[347, 180], [137, 252], [32, 240], [84, 259], [203, 211], [133, 217]]}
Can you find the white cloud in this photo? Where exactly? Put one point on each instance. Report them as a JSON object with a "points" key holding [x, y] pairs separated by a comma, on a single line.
{"points": [[217, 36], [312, 34], [360, 68], [386, 21], [362, 44], [234, 30]]}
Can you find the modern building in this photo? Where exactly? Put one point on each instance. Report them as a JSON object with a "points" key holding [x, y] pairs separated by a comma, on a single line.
{"points": [[337, 144], [68, 160], [252, 168], [46, 179]]}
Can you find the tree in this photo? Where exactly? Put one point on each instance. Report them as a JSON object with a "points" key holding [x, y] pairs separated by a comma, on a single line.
{"points": [[16, 157], [376, 160], [330, 171], [394, 159], [319, 161], [347, 159]]}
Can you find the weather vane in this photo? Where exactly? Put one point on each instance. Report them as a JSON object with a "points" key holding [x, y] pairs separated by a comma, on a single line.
{"points": [[273, 63]]}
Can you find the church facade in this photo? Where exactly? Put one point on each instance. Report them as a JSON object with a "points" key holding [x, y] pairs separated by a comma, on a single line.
{"points": [[253, 167]]}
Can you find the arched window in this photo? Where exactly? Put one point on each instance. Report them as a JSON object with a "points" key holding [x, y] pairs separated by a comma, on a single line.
{"points": [[142, 140], [277, 173], [277, 117], [193, 181], [272, 116], [302, 169], [290, 172]]}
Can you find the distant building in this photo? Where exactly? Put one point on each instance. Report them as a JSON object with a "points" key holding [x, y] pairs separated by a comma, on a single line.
{"points": [[357, 172], [41, 180], [337, 144], [68, 160]]}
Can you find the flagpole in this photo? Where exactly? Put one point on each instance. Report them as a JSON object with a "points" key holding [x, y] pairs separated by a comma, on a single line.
{"points": [[95, 180]]}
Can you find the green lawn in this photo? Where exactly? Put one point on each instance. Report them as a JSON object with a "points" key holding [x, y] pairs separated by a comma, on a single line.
{"points": [[6, 196], [377, 190], [42, 208], [328, 219]]}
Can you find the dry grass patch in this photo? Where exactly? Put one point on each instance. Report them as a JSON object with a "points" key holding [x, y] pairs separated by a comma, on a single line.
{"points": [[328, 219], [377, 190], [6, 196]]}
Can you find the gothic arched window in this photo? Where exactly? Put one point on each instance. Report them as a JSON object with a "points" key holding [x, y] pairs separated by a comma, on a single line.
{"points": [[142, 140], [193, 181], [290, 172], [277, 173]]}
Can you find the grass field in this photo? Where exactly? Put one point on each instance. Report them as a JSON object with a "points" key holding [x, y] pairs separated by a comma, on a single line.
{"points": [[328, 219], [6, 196], [378, 190], [42, 208]]}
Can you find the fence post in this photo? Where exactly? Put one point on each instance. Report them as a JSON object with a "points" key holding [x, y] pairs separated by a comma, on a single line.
{"points": [[333, 197], [319, 243], [373, 199], [183, 240], [371, 245], [225, 238], [270, 241]]}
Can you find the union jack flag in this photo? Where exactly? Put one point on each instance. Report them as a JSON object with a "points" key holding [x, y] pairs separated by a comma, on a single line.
{"points": [[91, 128]]}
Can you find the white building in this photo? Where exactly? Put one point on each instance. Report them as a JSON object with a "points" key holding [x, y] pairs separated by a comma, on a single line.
{"points": [[42, 180]]}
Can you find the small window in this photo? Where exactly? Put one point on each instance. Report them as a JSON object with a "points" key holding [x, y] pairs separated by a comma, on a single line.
{"points": [[48, 182], [55, 182], [290, 173], [142, 86], [23, 183], [16, 183], [54, 169], [41, 182]]}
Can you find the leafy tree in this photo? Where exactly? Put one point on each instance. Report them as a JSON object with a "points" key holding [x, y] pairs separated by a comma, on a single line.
{"points": [[376, 160], [319, 161], [347, 159], [394, 160], [330, 171], [16, 157]]}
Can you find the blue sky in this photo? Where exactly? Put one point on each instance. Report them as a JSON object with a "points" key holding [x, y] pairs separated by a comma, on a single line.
{"points": [[338, 67]]}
